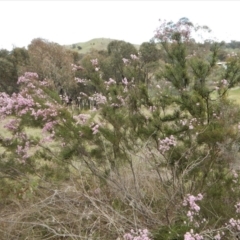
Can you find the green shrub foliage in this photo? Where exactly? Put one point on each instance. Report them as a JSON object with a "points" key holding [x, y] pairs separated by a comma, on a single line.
{"points": [[156, 132]]}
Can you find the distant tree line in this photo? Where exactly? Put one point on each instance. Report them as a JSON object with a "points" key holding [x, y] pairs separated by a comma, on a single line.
{"points": [[53, 61]]}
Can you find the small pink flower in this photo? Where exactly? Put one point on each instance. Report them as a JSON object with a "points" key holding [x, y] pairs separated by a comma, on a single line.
{"points": [[125, 60], [94, 62]]}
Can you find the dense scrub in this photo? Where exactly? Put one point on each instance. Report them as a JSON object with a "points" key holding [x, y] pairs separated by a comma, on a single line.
{"points": [[157, 152]]}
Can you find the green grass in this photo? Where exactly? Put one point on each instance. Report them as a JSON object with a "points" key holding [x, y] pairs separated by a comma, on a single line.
{"points": [[234, 94], [30, 131], [94, 44]]}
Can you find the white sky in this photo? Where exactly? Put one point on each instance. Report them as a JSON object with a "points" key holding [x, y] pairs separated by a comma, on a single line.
{"points": [[68, 22]]}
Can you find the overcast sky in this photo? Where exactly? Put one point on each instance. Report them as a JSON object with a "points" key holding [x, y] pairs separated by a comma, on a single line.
{"points": [[68, 22]]}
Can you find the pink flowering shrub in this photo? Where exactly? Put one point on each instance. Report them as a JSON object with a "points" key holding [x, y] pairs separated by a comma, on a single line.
{"points": [[146, 140]]}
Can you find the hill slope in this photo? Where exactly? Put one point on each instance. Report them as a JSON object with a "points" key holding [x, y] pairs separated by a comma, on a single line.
{"points": [[96, 43]]}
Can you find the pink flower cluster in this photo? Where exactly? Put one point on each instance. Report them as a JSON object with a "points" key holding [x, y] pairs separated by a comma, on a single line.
{"points": [[48, 126], [95, 64], [17, 102], [31, 85], [121, 99], [152, 108], [125, 81], [24, 102], [95, 128], [44, 83], [110, 82], [166, 143], [134, 57], [190, 201], [233, 223], [81, 80], [192, 121], [120, 103], [82, 118], [76, 67], [22, 152], [235, 175], [224, 82], [99, 98], [218, 237], [191, 236], [27, 76], [47, 113], [12, 125], [125, 61], [237, 206], [83, 94], [137, 235], [31, 75]]}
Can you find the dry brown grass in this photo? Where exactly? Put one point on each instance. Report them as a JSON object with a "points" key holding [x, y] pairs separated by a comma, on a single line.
{"points": [[89, 207]]}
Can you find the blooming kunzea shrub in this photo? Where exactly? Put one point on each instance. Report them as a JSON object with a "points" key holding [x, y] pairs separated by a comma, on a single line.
{"points": [[30, 106], [134, 123]]}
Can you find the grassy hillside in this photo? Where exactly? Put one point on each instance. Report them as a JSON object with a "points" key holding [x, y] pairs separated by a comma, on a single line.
{"points": [[234, 94], [96, 43]]}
